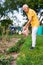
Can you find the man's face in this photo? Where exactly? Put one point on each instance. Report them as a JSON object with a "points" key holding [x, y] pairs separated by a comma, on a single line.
{"points": [[26, 9]]}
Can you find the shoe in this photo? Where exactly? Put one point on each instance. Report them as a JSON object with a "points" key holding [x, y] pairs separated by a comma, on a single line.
{"points": [[31, 48]]}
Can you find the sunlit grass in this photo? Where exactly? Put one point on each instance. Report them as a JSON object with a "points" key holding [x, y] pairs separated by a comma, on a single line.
{"points": [[31, 57]]}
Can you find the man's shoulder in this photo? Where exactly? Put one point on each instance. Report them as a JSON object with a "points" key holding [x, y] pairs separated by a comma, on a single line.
{"points": [[31, 10]]}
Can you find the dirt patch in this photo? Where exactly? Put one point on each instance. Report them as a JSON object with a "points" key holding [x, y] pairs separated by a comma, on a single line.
{"points": [[8, 44], [14, 55]]}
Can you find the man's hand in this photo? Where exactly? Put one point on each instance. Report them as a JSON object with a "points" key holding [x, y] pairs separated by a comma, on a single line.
{"points": [[25, 31], [24, 28]]}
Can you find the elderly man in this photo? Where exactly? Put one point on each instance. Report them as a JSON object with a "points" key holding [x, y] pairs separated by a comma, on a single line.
{"points": [[33, 20]]}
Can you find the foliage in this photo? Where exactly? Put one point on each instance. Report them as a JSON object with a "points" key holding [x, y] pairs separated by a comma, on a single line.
{"points": [[31, 57], [6, 23], [4, 28], [10, 5]]}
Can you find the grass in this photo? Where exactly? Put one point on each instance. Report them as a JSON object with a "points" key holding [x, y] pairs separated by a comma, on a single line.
{"points": [[26, 56], [16, 47], [5, 60], [31, 57], [12, 36]]}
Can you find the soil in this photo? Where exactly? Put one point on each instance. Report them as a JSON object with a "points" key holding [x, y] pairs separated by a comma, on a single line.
{"points": [[8, 44]]}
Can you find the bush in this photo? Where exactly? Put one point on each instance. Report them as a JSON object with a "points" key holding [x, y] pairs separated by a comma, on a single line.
{"points": [[5, 25]]}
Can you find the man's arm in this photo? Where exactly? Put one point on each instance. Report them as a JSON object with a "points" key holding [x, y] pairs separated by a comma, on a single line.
{"points": [[28, 23]]}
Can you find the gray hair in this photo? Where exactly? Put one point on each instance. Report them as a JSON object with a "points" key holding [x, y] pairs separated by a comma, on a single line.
{"points": [[25, 5]]}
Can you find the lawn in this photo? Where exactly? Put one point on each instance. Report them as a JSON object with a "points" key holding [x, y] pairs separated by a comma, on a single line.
{"points": [[31, 57], [22, 48]]}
